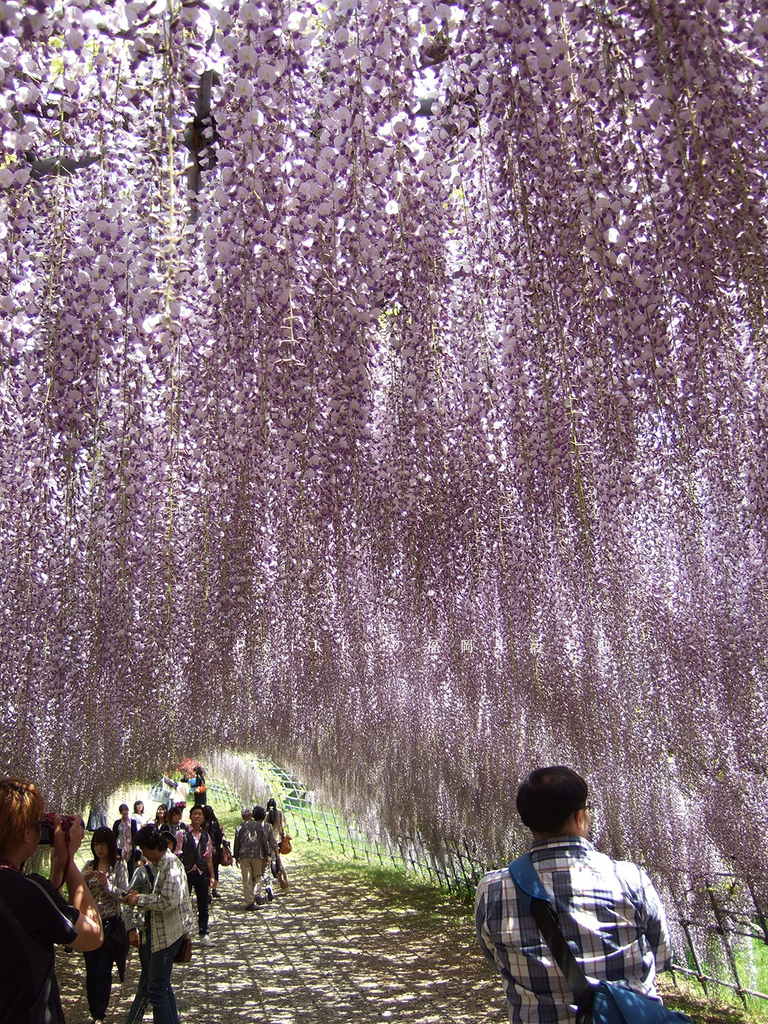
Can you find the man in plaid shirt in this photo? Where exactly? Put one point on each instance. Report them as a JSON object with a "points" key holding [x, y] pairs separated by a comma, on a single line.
{"points": [[171, 919], [609, 912]]}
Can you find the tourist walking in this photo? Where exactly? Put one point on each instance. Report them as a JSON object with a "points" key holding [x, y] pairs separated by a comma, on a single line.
{"points": [[199, 788], [180, 792], [197, 857], [247, 815], [107, 878], [138, 814], [125, 829], [254, 844], [98, 816], [140, 936], [213, 827], [276, 819], [176, 825], [171, 920]]}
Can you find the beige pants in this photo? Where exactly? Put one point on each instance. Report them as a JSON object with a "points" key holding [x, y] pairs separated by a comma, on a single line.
{"points": [[252, 869]]}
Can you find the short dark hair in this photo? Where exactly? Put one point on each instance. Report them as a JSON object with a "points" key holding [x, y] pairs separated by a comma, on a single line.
{"points": [[259, 813], [149, 837], [548, 797], [168, 836]]}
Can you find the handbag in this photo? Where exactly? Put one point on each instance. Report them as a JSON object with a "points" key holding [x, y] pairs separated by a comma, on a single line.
{"points": [[285, 844], [184, 952], [606, 1002], [116, 938], [225, 857]]}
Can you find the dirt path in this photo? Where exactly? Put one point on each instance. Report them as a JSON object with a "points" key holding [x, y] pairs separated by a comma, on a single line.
{"points": [[330, 950]]}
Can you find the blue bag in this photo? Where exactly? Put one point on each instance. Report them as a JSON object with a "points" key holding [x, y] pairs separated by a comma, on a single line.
{"points": [[605, 1003], [615, 1004]]}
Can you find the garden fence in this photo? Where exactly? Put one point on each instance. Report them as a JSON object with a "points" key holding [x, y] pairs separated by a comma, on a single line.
{"points": [[726, 947]]}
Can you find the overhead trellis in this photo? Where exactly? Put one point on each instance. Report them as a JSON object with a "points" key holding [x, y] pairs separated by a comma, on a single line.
{"points": [[384, 390]]}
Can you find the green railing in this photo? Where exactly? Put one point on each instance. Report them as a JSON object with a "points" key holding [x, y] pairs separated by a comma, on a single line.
{"points": [[730, 937]]}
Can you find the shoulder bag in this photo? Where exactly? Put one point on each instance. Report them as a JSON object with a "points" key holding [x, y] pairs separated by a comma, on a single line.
{"points": [[604, 1002], [285, 844], [184, 952]]}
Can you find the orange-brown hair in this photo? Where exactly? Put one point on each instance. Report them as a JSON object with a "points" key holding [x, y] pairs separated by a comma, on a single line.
{"points": [[21, 807]]}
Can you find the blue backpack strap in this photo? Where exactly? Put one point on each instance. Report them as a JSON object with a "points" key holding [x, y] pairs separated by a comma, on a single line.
{"points": [[537, 902], [526, 878]]}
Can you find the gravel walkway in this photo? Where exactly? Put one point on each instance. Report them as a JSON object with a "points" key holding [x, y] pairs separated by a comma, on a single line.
{"points": [[329, 950]]}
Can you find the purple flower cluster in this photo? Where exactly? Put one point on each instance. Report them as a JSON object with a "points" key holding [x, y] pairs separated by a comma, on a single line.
{"points": [[417, 440]]}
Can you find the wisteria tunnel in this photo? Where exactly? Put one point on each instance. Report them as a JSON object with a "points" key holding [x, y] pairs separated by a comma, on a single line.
{"points": [[384, 391]]}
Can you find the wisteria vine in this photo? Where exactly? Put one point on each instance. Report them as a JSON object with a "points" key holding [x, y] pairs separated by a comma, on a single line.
{"points": [[400, 413]]}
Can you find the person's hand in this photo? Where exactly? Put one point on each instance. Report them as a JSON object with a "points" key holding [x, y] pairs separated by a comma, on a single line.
{"points": [[67, 841], [132, 897], [213, 883], [134, 938]]}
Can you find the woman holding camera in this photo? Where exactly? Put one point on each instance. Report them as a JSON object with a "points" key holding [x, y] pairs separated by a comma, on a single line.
{"points": [[107, 878]]}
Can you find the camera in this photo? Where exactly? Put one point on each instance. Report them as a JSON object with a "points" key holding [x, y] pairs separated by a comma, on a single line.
{"points": [[49, 823]]}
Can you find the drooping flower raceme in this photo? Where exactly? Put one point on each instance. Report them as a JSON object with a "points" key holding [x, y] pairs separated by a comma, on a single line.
{"points": [[399, 412]]}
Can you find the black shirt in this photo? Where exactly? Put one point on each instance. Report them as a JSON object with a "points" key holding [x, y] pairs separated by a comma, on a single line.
{"points": [[40, 918]]}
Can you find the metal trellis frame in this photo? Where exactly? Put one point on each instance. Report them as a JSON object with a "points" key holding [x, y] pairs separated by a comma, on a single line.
{"points": [[459, 869]]}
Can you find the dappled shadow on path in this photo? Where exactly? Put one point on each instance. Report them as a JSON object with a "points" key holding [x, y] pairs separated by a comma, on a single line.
{"points": [[330, 950]]}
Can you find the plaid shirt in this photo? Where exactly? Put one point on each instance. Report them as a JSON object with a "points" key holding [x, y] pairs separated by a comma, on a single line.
{"points": [[609, 913], [169, 903]]}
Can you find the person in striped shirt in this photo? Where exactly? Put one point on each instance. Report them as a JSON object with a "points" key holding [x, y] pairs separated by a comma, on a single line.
{"points": [[609, 911]]}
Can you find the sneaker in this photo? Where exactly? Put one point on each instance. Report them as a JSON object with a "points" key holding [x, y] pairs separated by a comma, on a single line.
{"points": [[259, 900], [215, 894], [250, 906], [270, 894], [205, 940]]}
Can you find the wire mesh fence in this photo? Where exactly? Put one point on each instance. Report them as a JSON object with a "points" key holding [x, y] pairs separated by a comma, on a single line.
{"points": [[722, 929]]}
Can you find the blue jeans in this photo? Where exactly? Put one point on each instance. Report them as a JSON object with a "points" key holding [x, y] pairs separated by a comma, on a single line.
{"points": [[140, 1000], [159, 984]]}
